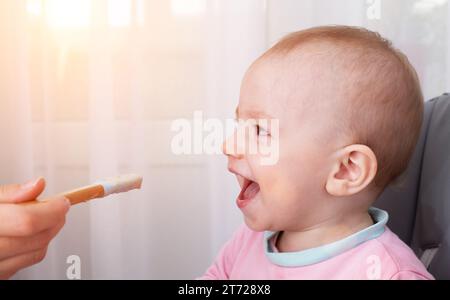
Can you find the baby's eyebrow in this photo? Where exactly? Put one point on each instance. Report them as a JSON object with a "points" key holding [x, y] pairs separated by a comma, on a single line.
{"points": [[254, 114]]}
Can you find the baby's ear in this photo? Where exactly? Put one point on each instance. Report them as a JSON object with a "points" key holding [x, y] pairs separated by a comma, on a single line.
{"points": [[354, 169]]}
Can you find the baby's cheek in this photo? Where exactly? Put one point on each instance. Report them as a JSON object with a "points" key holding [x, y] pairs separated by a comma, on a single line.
{"points": [[280, 189]]}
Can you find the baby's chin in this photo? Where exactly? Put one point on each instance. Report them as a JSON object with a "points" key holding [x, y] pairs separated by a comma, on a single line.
{"points": [[257, 224], [254, 225]]}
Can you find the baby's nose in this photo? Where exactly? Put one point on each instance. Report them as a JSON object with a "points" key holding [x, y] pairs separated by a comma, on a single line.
{"points": [[230, 147]]}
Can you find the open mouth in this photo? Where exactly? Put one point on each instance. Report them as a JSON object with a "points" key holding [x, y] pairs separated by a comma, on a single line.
{"points": [[249, 191]]}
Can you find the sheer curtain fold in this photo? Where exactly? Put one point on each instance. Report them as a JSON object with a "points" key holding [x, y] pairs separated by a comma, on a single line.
{"points": [[236, 36], [15, 120]]}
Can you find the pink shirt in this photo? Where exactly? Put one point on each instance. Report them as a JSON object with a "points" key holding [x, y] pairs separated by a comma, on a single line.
{"points": [[373, 253]]}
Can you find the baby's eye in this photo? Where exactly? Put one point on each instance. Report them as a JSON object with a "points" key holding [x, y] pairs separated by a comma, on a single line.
{"points": [[260, 131]]}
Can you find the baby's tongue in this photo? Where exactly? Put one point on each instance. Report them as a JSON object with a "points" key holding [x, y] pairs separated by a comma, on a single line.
{"points": [[251, 190]]}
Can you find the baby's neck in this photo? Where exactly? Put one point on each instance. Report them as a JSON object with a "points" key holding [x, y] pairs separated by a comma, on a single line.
{"points": [[329, 231]]}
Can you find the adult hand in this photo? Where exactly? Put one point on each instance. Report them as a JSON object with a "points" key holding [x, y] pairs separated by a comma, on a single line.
{"points": [[26, 230]]}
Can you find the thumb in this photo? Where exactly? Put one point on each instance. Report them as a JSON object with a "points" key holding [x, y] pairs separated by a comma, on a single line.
{"points": [[17, 193]]}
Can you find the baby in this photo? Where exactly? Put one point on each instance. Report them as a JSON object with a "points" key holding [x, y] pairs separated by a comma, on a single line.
{"points": [[349, 108]]}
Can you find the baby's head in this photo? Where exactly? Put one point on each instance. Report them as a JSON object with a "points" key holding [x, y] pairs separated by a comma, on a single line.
{"points": [[350, 110]]}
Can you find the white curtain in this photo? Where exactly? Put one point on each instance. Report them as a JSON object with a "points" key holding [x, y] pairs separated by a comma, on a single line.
{"points": [[90, 91]]}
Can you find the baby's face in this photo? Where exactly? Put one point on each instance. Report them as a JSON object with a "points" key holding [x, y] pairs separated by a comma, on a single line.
{"points": [[290, 194]]}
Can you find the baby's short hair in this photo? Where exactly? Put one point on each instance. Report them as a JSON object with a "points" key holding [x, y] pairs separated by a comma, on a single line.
{"points": [[386, 103]]}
